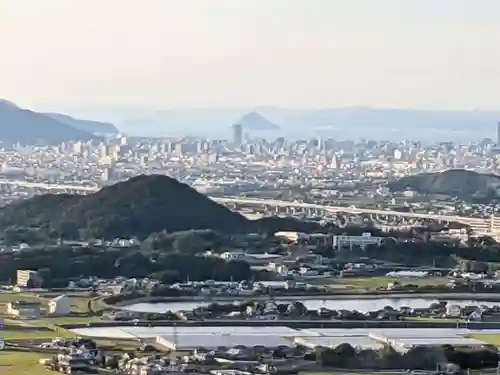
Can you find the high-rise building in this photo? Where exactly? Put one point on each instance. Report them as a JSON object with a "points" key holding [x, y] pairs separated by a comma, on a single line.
{"points": [[336, 163], [498, 134], [238, 134]]}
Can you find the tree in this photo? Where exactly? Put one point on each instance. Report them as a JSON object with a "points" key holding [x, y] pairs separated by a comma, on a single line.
{"points": [[189, 243], [389, 358]]}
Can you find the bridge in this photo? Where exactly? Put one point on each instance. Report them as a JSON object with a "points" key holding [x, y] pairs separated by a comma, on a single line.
{"points": [[479, 225], [350, 210], [50, 187]]}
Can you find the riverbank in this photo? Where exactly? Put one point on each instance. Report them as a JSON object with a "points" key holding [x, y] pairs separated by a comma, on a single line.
{"points": [[296, 324]]}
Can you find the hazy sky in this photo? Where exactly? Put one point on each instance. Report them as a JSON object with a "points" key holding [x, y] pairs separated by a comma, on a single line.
{"points": [[292, 53]]}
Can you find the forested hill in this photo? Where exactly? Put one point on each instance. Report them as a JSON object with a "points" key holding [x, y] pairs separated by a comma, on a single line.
{"points": [[134, 208], [453, 182]]}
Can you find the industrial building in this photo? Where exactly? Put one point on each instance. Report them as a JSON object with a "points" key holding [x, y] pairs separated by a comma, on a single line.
{"points": [[191, 337], [214, 341], [348, 242]]}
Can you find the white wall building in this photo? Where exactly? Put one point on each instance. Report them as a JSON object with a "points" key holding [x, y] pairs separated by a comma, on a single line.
{"points": [[60, 306], [291, 236], [233, 255], [348, 242]]}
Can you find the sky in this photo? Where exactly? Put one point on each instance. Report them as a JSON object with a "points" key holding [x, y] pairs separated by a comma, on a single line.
{"points": [[233, 53]]}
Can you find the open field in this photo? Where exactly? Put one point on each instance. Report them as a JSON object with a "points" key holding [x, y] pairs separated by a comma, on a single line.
{"points": [[47, 327], [435, 320], [22, 363], [493, 339], [80, 303], [373, 283], [33, 334], [26, 363], [6, 297]]}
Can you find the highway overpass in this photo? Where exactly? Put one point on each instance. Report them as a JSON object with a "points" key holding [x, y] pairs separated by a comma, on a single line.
{"points": [[485, 225]]}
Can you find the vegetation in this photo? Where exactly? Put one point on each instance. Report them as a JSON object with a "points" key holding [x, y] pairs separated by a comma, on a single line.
{"points": [[175, 223], [59, 265], [141, 207], [420, 357], [378, 282], [135, 208], [493, 339], [21, 363], [174, 257], [33, 334], [455, 182]]}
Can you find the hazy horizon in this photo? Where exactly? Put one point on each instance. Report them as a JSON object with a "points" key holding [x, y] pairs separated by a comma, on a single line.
{"points": [[165, 54]]}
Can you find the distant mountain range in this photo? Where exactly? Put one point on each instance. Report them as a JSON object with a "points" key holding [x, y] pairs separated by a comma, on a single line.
{"points": [[29, 127], [339, 123], [94, 127], [255, 121]]}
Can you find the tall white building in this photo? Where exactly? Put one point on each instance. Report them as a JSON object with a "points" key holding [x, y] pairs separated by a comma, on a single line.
{"points": [[238, 134]]}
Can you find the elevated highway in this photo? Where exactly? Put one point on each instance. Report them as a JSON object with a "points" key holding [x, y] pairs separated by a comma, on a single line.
{"points": [[483, 225], [50, 187], [351, 210]]}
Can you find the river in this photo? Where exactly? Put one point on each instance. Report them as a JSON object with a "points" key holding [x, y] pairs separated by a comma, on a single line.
{"points": [[339, 303]]}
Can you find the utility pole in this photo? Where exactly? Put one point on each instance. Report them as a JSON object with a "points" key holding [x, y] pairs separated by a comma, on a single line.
{"points": [[172, 353]]}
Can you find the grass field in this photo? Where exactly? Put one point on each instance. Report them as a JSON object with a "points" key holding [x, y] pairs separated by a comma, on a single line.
{"points": [[33, 334], [79, 303], [372, 283], [493, 339], [22, 363], [431, 320], [44, 329]]}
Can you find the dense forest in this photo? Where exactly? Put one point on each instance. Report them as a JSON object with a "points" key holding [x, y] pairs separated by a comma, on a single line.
{"points": [[176, 256], [137, 208], [134, 208], [59, 265]]}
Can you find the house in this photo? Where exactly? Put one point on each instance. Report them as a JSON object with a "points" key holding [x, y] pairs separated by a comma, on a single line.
{"points": [[453, 311], [24, 309], [60, 305], [291, 236]]}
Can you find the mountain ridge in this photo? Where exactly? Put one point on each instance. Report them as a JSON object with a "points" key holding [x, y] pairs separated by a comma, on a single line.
{"points": [[256, 122], [343, 122], [137, 207], [91, 126], [29, 127]]}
